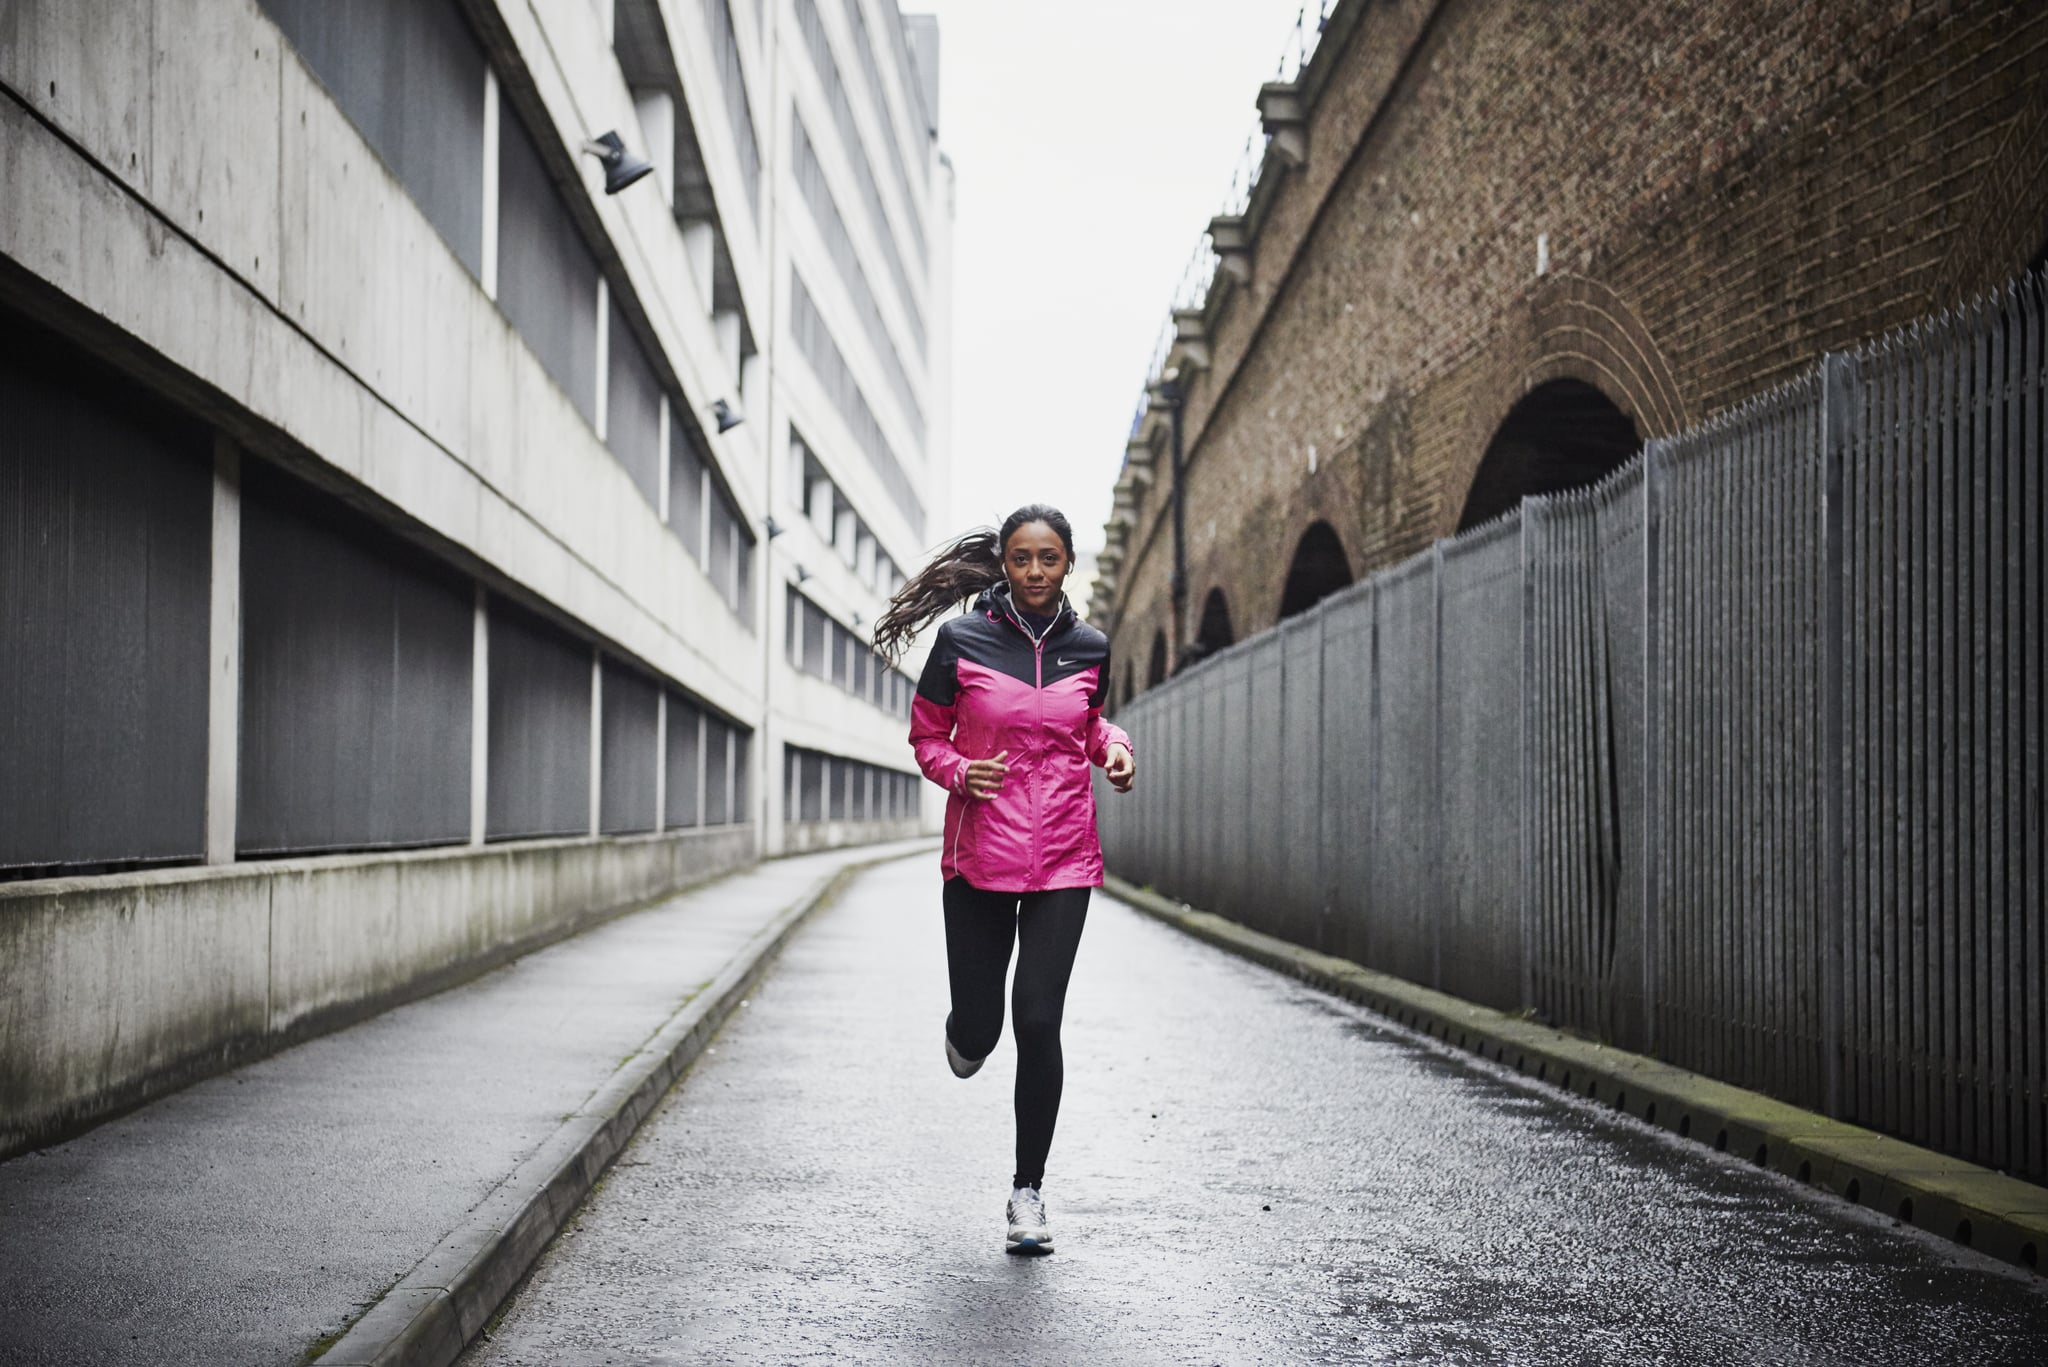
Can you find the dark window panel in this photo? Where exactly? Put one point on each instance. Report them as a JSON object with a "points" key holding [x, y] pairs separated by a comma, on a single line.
{"points": [[685, 764], [539, 729], [105, 571], [547, 278], [356, 681], [630, 732], [633, 407], [409, 74]]}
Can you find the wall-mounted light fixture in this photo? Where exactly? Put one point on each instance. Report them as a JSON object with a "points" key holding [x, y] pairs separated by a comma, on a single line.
{"points": [[772, 529], [728, 416], [802, 575], [621, 168]]}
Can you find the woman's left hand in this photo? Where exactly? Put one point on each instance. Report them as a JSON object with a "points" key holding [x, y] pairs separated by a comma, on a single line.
{"points": [[1121, 770]]}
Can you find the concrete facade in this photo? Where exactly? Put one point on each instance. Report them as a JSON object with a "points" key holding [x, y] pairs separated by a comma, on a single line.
{"points": [[1679, 206], [198, 215]]}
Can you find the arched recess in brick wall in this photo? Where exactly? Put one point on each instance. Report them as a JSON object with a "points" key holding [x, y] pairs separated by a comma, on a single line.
{"points": [[1155, 672], [1562, 435], [1318, 570], [1214, 633]]}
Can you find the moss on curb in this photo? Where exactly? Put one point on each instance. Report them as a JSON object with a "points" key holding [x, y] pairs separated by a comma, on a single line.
{"points": [[1988, 1211]]}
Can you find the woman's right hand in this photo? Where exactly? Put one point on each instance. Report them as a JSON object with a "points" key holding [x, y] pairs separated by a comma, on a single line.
{"points": [[985, 776]]}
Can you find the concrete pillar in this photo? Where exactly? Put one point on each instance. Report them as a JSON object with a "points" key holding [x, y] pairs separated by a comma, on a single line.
{"points": [[480, 718], [823, 500], [725, 323], [703, 743], [490, 247], [657, 112], [700, 241], [661, 760], [224, 655], [604, 356], [596, 739], [845, 531], [661, 461], [754, 389]]}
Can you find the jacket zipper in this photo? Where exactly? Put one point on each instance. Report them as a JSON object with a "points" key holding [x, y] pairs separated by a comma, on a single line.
{"points": [[1038, 738], [1033, 875]]}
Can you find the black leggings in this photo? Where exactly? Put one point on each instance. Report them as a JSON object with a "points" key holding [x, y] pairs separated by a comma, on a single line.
{"points": [[1047, 928]]}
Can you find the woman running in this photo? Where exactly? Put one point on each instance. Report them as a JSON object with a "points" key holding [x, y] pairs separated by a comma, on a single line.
{"points": [[1007, 719]]}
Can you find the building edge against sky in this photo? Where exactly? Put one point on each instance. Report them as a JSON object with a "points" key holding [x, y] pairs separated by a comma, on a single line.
{"points": [[386, 585]]}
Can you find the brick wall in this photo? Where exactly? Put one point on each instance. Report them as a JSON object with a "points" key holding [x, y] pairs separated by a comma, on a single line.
{"points": [[1728, 187]]}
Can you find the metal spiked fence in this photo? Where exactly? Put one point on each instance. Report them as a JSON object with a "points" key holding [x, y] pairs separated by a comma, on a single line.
{"points": [[1734, 759]]}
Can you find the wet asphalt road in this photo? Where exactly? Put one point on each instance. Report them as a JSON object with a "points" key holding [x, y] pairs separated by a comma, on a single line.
{"points": [[1245, 1172]]}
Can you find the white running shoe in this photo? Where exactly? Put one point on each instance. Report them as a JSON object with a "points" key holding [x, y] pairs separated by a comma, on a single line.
{"points": [[961, 1065], [1029, 1232]]}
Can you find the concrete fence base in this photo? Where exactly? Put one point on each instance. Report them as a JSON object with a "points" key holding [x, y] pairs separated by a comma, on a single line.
{"points": [[120, 988]]}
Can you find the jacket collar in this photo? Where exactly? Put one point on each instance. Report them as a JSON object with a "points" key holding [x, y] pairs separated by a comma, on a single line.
{"points": [[996, 601]]}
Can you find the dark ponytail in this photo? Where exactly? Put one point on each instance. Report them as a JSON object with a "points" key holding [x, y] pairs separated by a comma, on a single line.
{"points": [[956, 573]]}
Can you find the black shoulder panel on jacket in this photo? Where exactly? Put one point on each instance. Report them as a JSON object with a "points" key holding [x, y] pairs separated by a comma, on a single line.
{"points": [[938, 681]]}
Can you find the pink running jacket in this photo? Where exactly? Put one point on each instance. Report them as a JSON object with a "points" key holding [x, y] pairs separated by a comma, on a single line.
{"points": [[990, 686]]}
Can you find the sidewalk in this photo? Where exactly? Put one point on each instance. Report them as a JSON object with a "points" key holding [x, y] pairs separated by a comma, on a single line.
{"points": [[253, 1217]]}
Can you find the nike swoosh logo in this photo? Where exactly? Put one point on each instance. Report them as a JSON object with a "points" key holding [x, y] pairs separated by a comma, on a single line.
{"points": [[1061, 664]]}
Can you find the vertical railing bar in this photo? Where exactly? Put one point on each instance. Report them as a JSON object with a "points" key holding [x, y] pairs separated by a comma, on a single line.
{"points": [[1895, 1011], [1754, 792], [1596, 680], [1792, 807], [1783, 1040], [1375, 763], [1652, 757], [1580, 907], [1675, 1029], [1839, 377], [1999, 583], [1915, 932], [1439, 878], [1863, 781], [1889, 909], [1907, 1104], [1525, 757], [1984, 962], [1754, 808], [2033, 603], [1953, 415], [1319, 902], [1946, 409], [1536, 512], [1877, 553], [1724, 554]]}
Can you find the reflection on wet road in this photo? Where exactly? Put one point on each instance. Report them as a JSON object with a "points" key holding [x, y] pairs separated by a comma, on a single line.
{"points": [[1245, 1172]]}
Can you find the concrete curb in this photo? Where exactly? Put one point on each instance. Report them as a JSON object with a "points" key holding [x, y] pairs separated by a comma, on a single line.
{"points": [[1992, 1213], [433, 1313]]}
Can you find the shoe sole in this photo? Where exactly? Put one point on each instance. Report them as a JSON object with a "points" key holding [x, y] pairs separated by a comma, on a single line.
{"points": [[1028, 1247], [961, 1065]]}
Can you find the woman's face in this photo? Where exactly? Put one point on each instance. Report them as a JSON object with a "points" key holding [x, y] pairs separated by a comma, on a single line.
{"points": [[1036, 561]]}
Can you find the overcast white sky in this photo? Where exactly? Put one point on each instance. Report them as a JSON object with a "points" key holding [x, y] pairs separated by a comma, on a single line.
{"points": [[1092, 140]]}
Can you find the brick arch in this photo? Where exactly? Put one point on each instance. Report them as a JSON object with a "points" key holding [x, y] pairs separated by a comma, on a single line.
{"points": [[1319, 566], [1582, 330]]}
